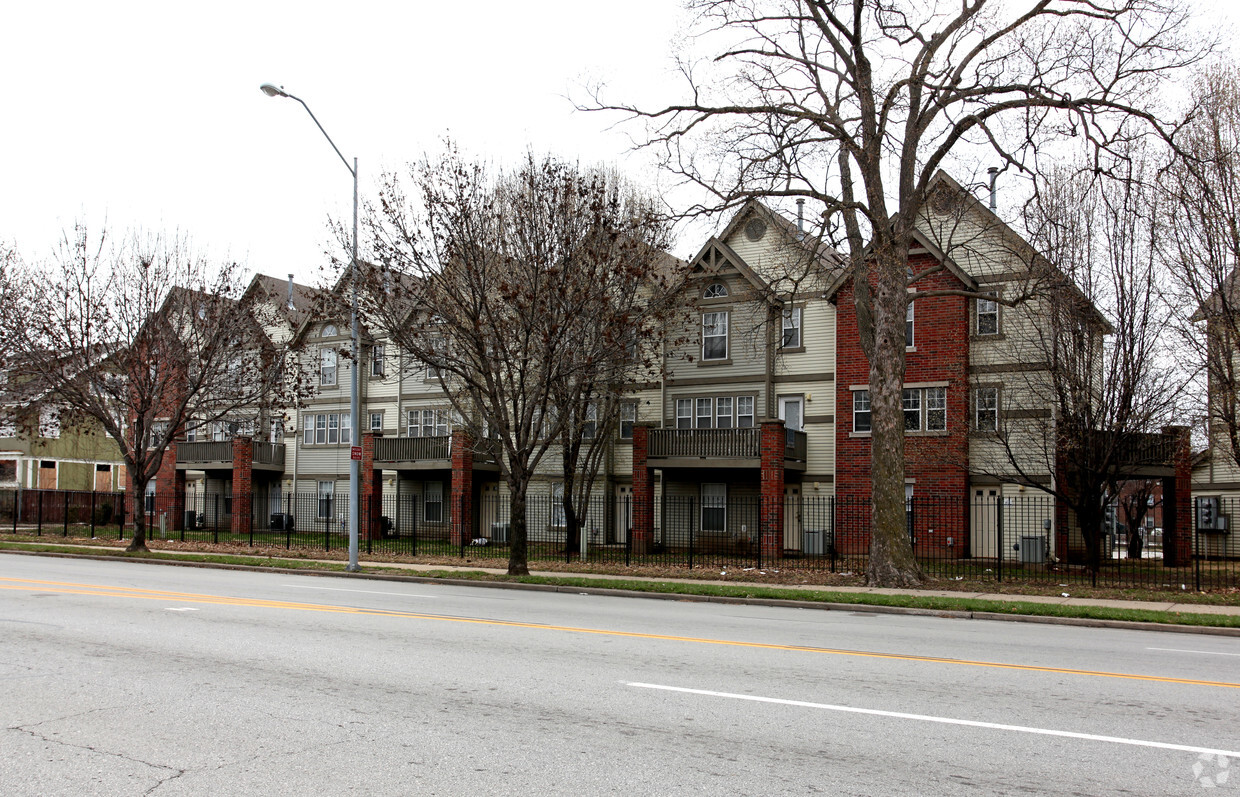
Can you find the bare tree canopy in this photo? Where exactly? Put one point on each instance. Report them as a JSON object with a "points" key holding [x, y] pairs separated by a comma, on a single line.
{"points": [[143, 336], [1202, 190], [857, 104], [1107, 382], [531, 293]]}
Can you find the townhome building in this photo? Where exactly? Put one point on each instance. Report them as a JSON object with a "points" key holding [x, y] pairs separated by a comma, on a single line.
{"points": [[757, 437]]}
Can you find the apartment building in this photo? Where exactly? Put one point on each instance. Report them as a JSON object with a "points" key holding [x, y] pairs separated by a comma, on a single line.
{"points": [[757, 436]]}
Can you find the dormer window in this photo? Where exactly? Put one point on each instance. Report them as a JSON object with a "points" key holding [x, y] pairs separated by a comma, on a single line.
{"points": [[716, 290], [329, 330]]}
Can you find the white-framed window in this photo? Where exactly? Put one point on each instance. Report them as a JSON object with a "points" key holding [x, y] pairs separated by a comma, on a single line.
{"points": [[49, 423], [159, 432], [986, 409], [320, 428], [723, 412], [376, 422], [987, 317], [219, 431], [329, 330], [684, 413], [705, 410], [327, 367], [936, 409], [333, 428], [861, 410], [327, 495], [149, 497], [590, 427], [714, 507], [715, 336], [308, 427], [628, 417], [716, 290], [275, 430], [744, 412], [439, 347], [792, 328], [911, 401], [557, 505], [346, 428], [376, 360], [909, 340], [433, 511], [428, 423]]}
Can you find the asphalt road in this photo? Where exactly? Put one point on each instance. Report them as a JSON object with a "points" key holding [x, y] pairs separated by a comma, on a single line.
{"points": [[130, 679]]}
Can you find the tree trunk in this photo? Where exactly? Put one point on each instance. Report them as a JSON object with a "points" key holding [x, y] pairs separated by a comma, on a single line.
{"points": [[572, 525], [138, 543], [891, 552], [518, 555]]}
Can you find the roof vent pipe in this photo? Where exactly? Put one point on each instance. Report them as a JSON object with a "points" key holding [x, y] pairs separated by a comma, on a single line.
{"points": [[290, 291], [800, 216], [994, 174]]}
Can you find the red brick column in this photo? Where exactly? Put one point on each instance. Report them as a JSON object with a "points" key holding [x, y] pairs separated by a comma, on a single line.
{"points": [[773, 441], [461, 508], [1178, 528], [643, 491], [372, 489], [242, 485]]}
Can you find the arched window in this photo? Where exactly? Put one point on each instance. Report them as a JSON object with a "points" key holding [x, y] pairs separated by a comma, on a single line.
{"points": [[716, 290], [329, 329]]}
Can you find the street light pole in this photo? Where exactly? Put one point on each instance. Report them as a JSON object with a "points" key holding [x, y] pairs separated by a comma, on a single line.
{"points": [[354, 410]]}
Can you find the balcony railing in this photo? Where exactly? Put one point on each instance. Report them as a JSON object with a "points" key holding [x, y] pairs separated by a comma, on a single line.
{"points": [[725, 444], [220, 453], [423, 449], [205, 453]]}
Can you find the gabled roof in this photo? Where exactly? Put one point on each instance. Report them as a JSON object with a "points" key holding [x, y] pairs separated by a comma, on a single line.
{"points": [[715, 255], [276, 291]]}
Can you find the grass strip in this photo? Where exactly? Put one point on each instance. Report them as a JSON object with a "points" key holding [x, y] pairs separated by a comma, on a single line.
{"points": [[924, 602]]}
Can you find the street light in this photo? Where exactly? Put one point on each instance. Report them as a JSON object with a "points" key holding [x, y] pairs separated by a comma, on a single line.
{"points": [[354, 420]]}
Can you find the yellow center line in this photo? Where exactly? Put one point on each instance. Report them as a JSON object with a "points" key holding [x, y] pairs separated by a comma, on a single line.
{"points": [[66, 588]]}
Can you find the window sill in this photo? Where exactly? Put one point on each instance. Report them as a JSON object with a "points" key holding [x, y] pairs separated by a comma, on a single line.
{"points": [[924, 433], [791, 349], [860, 434], [727, 361]]}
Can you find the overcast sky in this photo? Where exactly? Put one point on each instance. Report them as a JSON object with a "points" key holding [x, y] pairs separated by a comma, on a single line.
{"points": [[149, 115]]}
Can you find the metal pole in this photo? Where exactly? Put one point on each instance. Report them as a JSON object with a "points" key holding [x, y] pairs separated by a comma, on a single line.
{"points": [[355, 467]]}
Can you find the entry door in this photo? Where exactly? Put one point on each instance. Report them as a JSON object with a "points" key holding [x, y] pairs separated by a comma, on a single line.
{"points": [[624, 514], [487, 518], [791, 412], [792, 517], [985, 526]]}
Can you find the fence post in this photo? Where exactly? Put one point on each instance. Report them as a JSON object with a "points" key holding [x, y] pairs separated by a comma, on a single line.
{"points": [[692, 527], [17, 504], [758, 547], [65, 518], [39, 529], [120, 524], [628, 530], [999, 531], [367, 511], [1196, 558]]}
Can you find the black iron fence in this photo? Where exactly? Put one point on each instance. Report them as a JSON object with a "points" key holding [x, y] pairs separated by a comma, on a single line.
{"points": [[999, 538]]}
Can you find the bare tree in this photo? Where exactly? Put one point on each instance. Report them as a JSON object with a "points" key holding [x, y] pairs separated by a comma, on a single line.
{"points": [[1202, 187], [144, 337], [856, 104], [1106, 381], [492, 279]]}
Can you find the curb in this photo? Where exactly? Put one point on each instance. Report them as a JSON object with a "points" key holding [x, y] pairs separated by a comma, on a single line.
{"points": [[862, 608]]}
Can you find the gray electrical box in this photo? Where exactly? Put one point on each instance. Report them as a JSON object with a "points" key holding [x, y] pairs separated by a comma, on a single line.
{"points": [[1032, 550]]}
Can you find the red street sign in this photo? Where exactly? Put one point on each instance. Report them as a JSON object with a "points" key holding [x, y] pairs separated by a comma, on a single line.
{"points": [[355, 453]]}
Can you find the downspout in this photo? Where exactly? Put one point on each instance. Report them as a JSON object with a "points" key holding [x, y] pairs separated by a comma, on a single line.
{"points": [[993, 171]]}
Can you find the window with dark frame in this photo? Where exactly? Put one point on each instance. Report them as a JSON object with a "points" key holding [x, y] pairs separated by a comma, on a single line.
{"points": [[376, 360], [628, 417], [910, 399], [909, 340], [986, 409]]}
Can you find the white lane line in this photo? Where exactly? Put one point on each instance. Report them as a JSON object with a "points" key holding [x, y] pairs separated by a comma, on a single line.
{"points": [[944, 720], [1203, 652], [180, 609], [366, 591]]}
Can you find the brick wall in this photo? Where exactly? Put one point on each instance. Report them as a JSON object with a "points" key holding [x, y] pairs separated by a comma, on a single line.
{"points": [[937, 462]]}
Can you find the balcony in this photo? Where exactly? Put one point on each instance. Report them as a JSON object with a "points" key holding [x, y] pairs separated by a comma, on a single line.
{"points": [[218, 455], [719, 448], [426, 453]]}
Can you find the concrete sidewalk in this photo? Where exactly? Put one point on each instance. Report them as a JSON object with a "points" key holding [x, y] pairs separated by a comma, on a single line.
{"points": [[602, 579]]}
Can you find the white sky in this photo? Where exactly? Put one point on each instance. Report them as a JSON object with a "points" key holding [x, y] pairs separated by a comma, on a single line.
{"points": [[148, 115]]}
